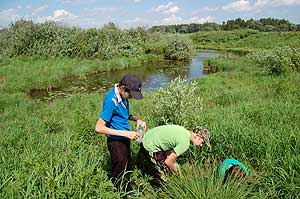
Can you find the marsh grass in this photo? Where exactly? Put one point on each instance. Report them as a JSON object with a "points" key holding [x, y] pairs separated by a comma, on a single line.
{"points": [[253, 117], [244, 41], [201, 181]]}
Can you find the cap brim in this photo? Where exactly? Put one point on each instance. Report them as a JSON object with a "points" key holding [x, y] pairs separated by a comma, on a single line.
{"points": [[136, 94]]}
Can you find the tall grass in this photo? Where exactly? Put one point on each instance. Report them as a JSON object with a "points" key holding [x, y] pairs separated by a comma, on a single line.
{"points": [[202, 182], [253, 117]]}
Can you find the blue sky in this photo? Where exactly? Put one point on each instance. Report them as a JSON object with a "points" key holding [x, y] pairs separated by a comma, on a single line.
{"points": [[132, 13]]}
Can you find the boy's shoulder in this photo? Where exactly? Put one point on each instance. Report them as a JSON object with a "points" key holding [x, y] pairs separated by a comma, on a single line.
{"points": [[111, 97]]}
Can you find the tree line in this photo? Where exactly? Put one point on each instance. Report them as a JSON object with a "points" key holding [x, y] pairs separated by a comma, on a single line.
{"points": [[262, 25]]}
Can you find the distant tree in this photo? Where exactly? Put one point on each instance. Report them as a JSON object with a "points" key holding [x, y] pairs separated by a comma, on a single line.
{"points": [[293, 27], [263, 25], [269, 28]]}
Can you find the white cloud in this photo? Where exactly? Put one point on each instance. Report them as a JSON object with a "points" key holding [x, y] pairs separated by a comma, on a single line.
{"points": [[61, 16], [200, 20], [137, 1], [100, 9], [281, 2], [167, 8], [261, 3], [9, 15], [210, 9], [71, 1], [239, 6], [173, 19], [39, 10], [244, 5], [136, 22]]}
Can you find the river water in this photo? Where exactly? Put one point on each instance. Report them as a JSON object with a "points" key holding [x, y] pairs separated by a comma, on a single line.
{"points": [[153, 75]]}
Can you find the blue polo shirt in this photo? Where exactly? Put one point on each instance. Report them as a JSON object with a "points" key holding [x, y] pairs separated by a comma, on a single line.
{"points": [[115, 112]]}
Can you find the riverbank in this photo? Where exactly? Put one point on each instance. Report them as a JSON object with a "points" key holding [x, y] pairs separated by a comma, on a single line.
{"points": [[20, 74]]}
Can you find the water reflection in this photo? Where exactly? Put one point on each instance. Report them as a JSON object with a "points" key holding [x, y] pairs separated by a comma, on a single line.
{"points": [[153, 75]]}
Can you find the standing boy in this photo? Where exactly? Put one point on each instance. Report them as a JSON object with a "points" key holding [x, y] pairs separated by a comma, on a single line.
{"points": [[114, 122], [163, 144]]}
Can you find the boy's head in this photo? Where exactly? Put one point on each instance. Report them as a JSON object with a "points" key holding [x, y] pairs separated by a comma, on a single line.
{"points": [[234, 171], [132, 85], [202, 136]]}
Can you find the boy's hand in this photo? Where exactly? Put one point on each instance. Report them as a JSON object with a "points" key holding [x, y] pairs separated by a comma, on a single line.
{"points": [[171, 161], [139, 122], [132, 135]]}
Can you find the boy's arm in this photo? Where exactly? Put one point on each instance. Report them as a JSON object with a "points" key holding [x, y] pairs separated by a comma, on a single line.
{"points": [[171, 161], [101, 128]]}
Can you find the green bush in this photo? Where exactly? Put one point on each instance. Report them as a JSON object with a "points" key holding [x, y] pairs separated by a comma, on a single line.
{"points": [[178, 104], [178, 47], [278, 60], [52, 40]]}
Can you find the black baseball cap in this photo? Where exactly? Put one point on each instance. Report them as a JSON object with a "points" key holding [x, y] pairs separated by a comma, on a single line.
{"points": [[133, 84]]}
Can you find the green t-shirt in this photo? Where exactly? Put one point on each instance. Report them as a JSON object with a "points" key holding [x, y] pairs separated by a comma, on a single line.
{"points": [[167, 137]]}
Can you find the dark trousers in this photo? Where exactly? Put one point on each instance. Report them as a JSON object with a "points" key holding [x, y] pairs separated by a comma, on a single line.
{"points": [[120, 158], [147, 166]]}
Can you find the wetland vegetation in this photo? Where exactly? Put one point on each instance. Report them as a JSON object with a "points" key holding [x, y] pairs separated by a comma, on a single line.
{"points": [[250, 104]]}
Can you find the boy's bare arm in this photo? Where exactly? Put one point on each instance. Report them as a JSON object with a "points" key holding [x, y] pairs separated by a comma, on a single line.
{"points": [[101, 128], [171, 161]]}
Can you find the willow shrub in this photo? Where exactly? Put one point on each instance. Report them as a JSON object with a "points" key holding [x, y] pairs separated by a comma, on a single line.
{"points": [[177, 104], [178, 48], [278, 60]]}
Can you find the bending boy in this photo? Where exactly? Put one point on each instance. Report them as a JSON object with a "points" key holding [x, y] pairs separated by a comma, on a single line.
{"points": [[163, 144]]}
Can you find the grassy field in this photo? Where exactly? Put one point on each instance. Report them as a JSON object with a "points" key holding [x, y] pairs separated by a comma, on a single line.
{"points": [[244, 40], [50, 150]]}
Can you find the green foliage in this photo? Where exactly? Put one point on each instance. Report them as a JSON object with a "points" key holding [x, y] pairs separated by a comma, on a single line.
{"points": [[262, 25], [51, 40], [278, 60], [155, 45], [178, 105], [186, 28], [177, 47], [244, 40], [220, 37]]}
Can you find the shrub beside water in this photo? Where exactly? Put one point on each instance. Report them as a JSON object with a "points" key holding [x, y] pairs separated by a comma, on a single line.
{"points": [[178, 48], [278, 60], [177, 104], [51, 40]]}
